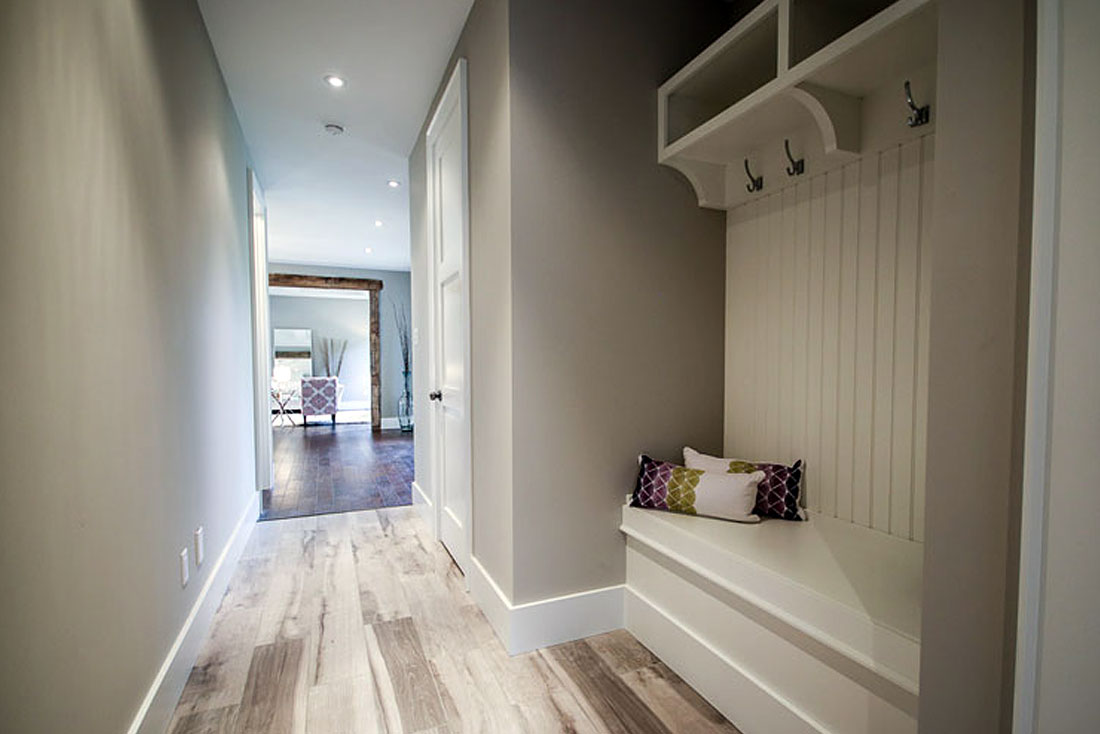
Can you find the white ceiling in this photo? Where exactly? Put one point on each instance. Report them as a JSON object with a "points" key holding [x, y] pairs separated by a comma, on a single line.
{"points": [[325, 193]]}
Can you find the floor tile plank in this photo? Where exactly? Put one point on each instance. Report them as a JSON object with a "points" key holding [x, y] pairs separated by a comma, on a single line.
{"points": [[271, 698], [212, 721], [614, 703], [362, 623], [677, 704], [413, 683]]}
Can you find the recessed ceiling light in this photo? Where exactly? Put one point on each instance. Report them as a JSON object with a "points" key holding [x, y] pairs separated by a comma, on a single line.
{"points": [[393, 183], [333, 129], [377, 222], [336, 82], [369, 250]]}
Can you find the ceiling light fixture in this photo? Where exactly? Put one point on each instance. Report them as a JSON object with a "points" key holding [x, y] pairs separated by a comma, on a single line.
{"points": [[333, 129], [393, 183], [336, 82], [369, 250], [377, 222]]}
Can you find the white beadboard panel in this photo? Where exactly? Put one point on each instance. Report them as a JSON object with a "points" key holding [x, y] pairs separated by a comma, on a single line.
{"points": [[827, 335]]}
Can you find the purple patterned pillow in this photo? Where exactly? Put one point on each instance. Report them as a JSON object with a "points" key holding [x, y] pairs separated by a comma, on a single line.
{"points": [[777, 494]]}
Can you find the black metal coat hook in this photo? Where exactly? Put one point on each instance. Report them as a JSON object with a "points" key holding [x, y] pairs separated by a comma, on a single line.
{"points": [[797, 168], [756, 183], [920, 115]]}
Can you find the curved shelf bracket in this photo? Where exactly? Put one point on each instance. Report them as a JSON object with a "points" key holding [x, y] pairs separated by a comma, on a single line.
{"points": [[837, 116], [708, 180]]}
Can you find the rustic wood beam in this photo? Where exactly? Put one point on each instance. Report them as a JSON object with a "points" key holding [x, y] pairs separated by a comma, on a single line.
{"points": [[293, 280]]}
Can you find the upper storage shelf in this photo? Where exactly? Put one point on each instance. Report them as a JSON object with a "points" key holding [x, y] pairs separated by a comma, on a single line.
{"points": [[786, 66]]}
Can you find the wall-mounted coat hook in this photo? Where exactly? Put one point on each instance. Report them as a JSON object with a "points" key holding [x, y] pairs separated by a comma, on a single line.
{"points": [[797, 168], [756, 183], [919, 115]]}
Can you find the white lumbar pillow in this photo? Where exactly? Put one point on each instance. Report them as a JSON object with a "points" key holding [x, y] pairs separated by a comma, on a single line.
{"points": [[729, 496], [665, 486]]}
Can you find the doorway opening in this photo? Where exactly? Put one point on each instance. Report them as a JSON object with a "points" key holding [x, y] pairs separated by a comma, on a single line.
{"points": [[334, 449]]}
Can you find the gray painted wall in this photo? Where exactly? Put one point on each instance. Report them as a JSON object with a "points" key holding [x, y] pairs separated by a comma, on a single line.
{"points": [[584, 252], [333, 318], [395, 289], [617, 280], [124, 284]]}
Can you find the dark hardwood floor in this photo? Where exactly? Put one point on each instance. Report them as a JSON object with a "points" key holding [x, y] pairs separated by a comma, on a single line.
{"points": [[338, 468]]}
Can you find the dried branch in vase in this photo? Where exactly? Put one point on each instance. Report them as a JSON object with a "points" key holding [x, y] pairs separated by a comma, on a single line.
{"points": [[404, 335]]}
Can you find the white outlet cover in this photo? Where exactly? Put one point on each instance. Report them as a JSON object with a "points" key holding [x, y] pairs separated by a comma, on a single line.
{"points": [[200, 546], [185, 571]]}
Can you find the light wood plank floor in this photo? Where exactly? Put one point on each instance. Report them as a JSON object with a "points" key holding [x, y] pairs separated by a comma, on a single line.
{"points": [[359, 622]]}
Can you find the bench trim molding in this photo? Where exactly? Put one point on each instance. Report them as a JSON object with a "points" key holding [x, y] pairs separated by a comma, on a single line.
{"points": [[908, 685]]}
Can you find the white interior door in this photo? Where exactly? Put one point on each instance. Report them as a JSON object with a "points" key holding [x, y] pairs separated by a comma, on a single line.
{"points": [[448, 181]]}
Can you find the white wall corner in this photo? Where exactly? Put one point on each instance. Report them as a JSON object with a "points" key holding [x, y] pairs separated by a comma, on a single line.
{"points": [[155, 713], [533, 625]]}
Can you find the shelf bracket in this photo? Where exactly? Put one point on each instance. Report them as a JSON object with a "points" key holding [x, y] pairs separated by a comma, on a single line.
{"points": [[707, 179], [837, 116]]}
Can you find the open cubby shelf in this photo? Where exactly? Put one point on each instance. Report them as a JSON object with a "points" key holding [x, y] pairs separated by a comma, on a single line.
{"points": [[787, 65]]}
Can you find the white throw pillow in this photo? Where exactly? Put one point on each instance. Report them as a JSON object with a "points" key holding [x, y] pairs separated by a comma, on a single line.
{"points": [[778, 493], [665, 486]]}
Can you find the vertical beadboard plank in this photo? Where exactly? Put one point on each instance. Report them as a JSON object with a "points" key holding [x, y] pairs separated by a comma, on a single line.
{"points": [[757, 287], [924, 294], [786, 330], [866, 298], [846, 394], [737, 380], [754, 404], [774, 280], [813, 476], [884, 341], [834, 215], [905, 340], [802, 329], [827, 280]]}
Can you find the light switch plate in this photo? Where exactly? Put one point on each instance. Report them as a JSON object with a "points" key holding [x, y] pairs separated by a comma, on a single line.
{"points": [[200, 546], [185, 572]]}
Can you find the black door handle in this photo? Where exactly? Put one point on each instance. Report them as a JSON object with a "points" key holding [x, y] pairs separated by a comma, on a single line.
{"points": [[436, 395]]}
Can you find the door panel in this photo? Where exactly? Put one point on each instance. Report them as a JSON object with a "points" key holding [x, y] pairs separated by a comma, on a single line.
{"points": [[451, 427]]}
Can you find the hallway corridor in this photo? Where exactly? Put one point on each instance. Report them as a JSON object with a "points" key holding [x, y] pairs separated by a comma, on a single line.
{"points": [[359, 622]]}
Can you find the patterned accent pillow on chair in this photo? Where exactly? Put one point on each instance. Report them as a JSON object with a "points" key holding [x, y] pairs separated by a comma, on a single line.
{"points": [[777, 494], [665, 486]]}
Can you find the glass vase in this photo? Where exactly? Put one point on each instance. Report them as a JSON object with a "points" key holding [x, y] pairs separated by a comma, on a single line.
{"points": [[405, 404]]}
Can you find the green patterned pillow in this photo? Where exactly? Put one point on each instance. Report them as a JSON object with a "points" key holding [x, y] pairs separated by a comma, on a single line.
{"points": [[665, 486]]}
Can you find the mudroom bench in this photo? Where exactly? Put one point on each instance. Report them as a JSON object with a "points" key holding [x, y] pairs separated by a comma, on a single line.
{"points": [[784, 626]]}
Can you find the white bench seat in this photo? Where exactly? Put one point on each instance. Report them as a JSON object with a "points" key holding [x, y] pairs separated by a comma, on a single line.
{"points": [[786, 626]]}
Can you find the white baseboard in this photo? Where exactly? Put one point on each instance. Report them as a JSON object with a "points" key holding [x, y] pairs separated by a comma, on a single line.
{"points": [[423, 504], [532, 625], [155, 713], [388, 423]]}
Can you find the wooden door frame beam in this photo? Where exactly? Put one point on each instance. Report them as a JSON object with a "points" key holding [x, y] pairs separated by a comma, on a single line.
{"points": [[294, 280]]}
